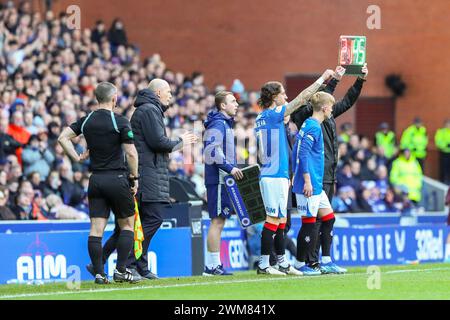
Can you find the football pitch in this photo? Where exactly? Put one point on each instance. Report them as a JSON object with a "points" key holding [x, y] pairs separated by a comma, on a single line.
{"points": [[423, 281]]}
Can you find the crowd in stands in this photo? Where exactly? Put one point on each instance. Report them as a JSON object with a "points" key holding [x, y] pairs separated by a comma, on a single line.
{"points": [[48, 73], [371, 179]]}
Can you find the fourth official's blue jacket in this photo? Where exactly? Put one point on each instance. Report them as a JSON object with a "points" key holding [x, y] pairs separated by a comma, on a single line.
{"points": [[219, 147]]}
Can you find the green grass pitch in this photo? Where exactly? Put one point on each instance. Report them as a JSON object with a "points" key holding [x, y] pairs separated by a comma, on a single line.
{"points": [[423, 281]]}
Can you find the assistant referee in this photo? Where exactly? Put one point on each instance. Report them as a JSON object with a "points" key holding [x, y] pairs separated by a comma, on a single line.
{"points": [[111, 187]]}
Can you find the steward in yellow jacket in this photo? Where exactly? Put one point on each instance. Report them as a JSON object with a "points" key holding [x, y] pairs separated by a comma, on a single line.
{"points": [[406, 171], [415, 139], [442, 141]]}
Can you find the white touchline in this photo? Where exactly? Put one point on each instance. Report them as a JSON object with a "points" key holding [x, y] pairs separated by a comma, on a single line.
{"points": [[25, 295], [416, 270]]}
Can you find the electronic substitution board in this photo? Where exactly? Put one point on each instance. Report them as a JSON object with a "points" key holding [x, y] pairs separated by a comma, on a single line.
{"points": [[352, 53], [245, 195]]}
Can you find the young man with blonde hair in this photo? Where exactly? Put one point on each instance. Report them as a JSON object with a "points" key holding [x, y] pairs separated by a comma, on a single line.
{"points": [[308, 166]]}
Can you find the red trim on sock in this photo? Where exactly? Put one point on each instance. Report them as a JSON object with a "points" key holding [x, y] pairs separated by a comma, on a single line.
{"points": [[282, 226], [309, 220], [328, 217], [271, 226]]}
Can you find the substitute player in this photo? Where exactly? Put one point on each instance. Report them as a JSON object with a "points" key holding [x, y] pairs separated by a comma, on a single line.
{"points": [[274, 158], [309, 162], [220, 160], [107, 135], [324, 230]]}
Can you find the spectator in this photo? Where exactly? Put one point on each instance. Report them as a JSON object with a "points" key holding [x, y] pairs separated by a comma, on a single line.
{"points": [[345, 177], [365, 200], [343, 155], [353, 144], [72, 193], [406, 172], [99, 32], [117, 35], [18, 132], [345, 202], [388, 204], [53, 184], [415, 139], [23, 207], [347, 131], [382, 181], [58, 210], [28, 123], [37, 157], [36, 181], [54, 130], [5, 211], [368, 170], [442, 140], [385, 139], [38, 207]]}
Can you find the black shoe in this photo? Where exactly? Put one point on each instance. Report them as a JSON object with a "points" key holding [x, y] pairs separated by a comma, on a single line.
{"points": [[150, 276], [126, 276], [316, 267], [90, 269], [101, 279]]}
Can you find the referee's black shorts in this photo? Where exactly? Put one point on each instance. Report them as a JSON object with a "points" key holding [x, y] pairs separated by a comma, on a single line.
{"points": [[110, 190]]}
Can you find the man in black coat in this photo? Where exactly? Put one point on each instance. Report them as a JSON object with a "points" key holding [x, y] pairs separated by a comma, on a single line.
{"points": [[331, 154], [153, 147]]}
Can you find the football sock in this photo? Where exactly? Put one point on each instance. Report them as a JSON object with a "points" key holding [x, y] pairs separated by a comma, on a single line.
{"points": [[280, 245], [326, 233], [95, 253], [326, 259], [279, 242], [306, 239], [264, 261], [267, 240], [213, 259], [282, 261], [124, 246]]}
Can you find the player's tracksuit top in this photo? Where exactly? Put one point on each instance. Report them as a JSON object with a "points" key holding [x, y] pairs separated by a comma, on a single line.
{"points": [[219, 147], [308, 156], [272, 143]]}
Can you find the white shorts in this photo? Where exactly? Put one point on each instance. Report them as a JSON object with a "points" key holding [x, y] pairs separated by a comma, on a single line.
{"points": [[309, 207], [275, 193]]}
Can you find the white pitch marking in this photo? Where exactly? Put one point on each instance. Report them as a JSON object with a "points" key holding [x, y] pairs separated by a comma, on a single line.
{"points": [[26, 295]]}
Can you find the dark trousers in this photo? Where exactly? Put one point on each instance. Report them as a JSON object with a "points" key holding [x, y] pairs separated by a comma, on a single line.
{"points": [[151, 219], [444, 167], [313, 256]]}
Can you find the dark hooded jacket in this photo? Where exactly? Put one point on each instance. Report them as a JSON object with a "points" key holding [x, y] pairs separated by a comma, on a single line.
{"points": [[153, 147], [219, 147], [329, 125]]}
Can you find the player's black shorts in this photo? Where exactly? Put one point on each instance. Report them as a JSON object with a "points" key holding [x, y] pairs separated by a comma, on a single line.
{"points": [[110, 191]]}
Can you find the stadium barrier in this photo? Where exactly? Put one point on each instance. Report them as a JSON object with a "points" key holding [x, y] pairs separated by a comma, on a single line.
{"points": [[62, 255]]}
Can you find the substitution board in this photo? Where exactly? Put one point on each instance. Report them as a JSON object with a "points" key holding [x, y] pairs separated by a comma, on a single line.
{"points": [[245, 195], [352, 54]]}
